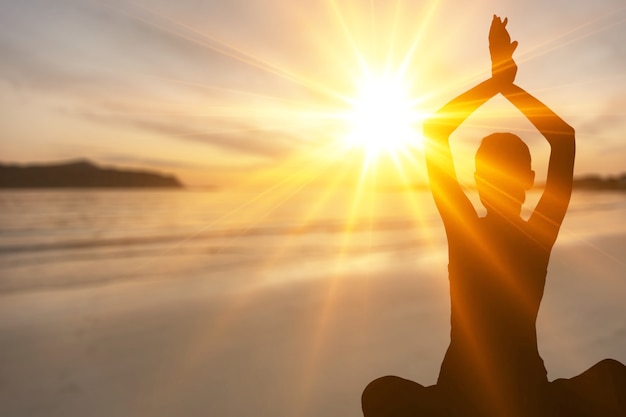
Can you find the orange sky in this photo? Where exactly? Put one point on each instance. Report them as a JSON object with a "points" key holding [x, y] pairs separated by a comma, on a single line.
{"points": [[253, 91]]}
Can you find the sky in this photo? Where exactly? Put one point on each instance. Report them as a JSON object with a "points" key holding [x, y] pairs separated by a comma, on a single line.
{"points": [[250, 91]]}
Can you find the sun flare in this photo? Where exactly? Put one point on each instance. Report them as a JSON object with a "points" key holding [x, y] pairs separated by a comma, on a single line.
{"points": [[382, 118]]}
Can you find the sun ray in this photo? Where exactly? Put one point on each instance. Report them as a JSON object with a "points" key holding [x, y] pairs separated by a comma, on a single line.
{"points": [[307, 219], [198, 347], [392, 36], [409, 188], [226, 49], [344, 27], [297, 168], [325, 315], [418, 37], [373, 34]]}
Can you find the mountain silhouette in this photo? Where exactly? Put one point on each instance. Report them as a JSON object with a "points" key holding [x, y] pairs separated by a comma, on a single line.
{"points": [[81, 174]]}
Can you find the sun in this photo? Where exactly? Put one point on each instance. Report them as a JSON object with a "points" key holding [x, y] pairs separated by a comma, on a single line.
{"points": [[382, 118]]}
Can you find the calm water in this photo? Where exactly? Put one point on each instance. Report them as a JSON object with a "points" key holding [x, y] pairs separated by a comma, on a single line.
{"points": [[42, 233], [39, 229]]}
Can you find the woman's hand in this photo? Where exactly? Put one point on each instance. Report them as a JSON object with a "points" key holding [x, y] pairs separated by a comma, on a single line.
{"points": [[503, 67]]}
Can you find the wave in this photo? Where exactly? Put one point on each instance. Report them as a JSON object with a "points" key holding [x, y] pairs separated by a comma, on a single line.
{"points": [[328, 227]]}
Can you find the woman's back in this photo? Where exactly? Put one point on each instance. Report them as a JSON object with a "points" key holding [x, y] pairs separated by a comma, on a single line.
{"points": [[497, 271]]}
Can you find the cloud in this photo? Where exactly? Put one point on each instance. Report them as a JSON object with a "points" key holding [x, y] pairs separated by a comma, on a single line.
{"points": [[237, 138], [60, 45], [611, 119]]}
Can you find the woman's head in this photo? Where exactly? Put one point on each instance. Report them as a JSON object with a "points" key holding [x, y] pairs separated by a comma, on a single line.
{"points": [[503, 173]]}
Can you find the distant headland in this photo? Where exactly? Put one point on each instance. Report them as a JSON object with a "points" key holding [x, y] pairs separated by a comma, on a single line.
{"points": [[596, 182], [81, 174]]}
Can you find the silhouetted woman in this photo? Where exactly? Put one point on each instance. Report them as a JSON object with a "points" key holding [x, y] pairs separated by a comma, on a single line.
{"points": [[497, 271]]}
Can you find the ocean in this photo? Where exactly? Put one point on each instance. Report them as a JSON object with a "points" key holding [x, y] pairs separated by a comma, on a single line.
{"points": [[275, 303]]}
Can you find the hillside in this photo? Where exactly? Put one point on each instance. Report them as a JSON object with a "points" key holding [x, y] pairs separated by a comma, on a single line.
{"points": [[81, 174]]}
